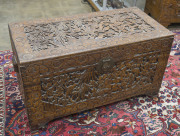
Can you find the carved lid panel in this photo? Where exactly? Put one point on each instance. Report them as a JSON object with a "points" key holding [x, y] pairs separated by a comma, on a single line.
{"points": [[44, 39]]}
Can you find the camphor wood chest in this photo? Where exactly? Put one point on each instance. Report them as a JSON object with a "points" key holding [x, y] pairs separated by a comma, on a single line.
{"points": [[164, 11], [70, 64]]}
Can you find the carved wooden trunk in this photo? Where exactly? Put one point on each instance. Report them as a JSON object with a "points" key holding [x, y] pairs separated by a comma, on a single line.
{"points": [[70, 64], [164, 11]]}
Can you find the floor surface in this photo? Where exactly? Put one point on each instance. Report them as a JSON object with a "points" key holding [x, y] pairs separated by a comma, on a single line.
{"points": [[19, 10]]}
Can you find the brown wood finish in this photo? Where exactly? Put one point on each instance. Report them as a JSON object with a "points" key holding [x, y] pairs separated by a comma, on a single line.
{"points": [[71, 64], [164, 11]]}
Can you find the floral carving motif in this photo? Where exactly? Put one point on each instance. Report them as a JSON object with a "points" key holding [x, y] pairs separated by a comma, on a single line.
{"points": [[64, 33], [79, 86], [58, 61]]}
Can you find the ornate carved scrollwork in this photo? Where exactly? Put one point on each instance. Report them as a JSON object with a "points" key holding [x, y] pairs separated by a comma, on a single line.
{"points": [[64, 33], [67, 65], [94, 82]]}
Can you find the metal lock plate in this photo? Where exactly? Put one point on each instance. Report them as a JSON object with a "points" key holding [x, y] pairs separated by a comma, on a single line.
{"points": [[105, 65]]}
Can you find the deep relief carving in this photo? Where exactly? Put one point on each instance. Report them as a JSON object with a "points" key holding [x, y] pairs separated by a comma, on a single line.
{"points": [[64, 33], [68, 65], [80, 86], [47, 67]]}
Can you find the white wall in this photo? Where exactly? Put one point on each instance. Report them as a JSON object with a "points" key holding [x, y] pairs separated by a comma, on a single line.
{"points": [[140, 3]]}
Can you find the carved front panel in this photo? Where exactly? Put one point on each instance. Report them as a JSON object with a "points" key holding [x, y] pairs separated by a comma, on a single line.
{"points": [[89, 83]]}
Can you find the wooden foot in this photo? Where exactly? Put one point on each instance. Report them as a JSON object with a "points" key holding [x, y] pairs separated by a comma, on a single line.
{"points": [[40, 127], [44, 126], [34, 131], [152, 94], [165, 24]]}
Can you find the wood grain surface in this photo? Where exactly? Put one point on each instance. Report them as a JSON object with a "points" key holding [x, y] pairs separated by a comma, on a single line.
{"points": [[72, 64]]}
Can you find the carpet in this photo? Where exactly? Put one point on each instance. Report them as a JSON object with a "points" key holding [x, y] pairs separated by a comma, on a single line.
{"points": [[139, 116], [2, 101]]}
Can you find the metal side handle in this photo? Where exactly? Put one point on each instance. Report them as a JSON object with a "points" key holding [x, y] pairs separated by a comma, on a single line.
{"points": [[15, 64]]}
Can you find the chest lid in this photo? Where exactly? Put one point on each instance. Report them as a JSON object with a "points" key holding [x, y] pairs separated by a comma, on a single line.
{"points": [[50, 38]]}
